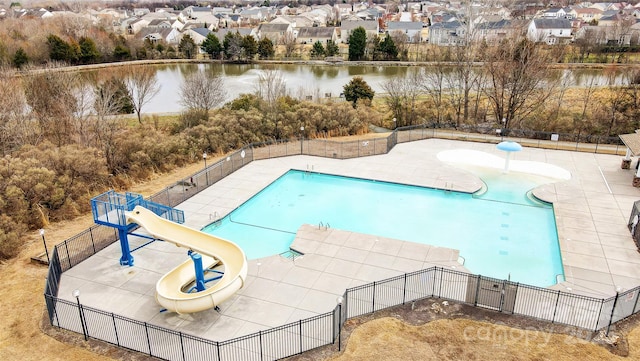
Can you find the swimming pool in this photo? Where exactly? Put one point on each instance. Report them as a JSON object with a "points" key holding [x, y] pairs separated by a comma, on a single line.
{"points": [[502, 234]]}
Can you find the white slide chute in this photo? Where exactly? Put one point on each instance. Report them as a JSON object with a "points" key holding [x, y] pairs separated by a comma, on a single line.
{"points": [[169, 289]]}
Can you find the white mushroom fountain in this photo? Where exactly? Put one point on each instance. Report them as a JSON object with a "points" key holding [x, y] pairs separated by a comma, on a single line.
{"points": [[508, 147]]}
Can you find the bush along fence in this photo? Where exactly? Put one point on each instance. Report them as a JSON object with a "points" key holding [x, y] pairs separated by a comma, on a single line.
{"points": [[559, 307]]}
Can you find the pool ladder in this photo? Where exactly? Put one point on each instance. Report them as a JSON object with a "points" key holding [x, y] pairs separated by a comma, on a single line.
{"points": [[215, 217], [323, 225], [448, 187]]}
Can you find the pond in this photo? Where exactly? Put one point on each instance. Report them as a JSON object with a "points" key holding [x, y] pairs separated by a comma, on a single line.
{"points": [[302, 80]]}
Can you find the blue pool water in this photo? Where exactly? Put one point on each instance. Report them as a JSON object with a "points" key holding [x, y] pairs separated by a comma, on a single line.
{"points": [[501, 233]]}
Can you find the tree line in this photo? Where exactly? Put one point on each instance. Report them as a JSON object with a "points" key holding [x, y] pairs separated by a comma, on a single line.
{"points": [[59, 151]]}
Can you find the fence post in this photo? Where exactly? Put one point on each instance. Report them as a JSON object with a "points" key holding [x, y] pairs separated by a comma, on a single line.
{"points": [[635, 304], [92, 243], [404, 289], [555, 309], [441, 277], [260, 342], [66, 246], [182, 346], [115, 328], [300, 330], [613, 309], [373, 298], [339, 325], [218, 350], [475, 302], [146, 331]]}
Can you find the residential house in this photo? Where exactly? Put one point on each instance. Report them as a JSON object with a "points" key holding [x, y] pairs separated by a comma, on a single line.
{"points": [[447, 33], [222, 32], [610, 35], [275, 32], [369, 14], [319, 17], [554, 13], [37, 14], [167, 35], [411, 30], [199, 35], [606, 6], [221, 10], [258, 14], [493, 31], [194, 12], [342, 10], [550, 31], [586, 14], [136, 25], [160, 24], [309, 35], [140, 12], [296, 21], [370, 26]]}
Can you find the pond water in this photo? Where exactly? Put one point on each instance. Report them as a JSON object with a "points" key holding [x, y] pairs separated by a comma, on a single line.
{"points": [[301, 79]]}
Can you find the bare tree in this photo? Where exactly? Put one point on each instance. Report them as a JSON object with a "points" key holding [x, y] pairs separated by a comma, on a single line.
{"points": [[16, 128], [107, 124], [433, 83], [202, 92], [288, 40], [587, 93], [50, 94], [517, 81], [402, 97], [142, 86], [271, 86]]}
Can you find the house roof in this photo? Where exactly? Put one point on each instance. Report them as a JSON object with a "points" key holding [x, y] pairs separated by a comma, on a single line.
{"points": [[404, 25], [273, 28], [366, 24], [446, 25], [503, 23], [316, 32], [202, 31], [552, 23]]}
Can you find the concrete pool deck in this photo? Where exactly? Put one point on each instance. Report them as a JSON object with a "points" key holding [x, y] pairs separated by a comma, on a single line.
{"points": [[592, 210]]}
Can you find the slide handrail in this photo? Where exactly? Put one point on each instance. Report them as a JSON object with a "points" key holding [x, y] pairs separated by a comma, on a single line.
{"points": [[169, 289]]}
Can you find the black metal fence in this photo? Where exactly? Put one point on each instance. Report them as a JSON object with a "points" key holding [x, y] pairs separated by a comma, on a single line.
{"points": [[500, 295]]}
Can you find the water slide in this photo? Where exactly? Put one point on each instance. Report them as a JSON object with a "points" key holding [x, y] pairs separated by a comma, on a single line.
{"points": [[170, 288]]}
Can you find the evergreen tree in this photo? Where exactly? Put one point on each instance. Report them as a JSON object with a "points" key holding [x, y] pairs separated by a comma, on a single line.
{"points": [[389, 49], [265, 48], [357, 89], [211, 45], [317, 50], [332, 48], [88, 51], [20, 58], [187, 47], [250, 46], [113, 97], [357, 43], [60, 50], [121, 52]]}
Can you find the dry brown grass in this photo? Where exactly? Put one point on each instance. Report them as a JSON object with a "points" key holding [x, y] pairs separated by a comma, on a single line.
{"points": [[464, 339], [22, 288]]}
